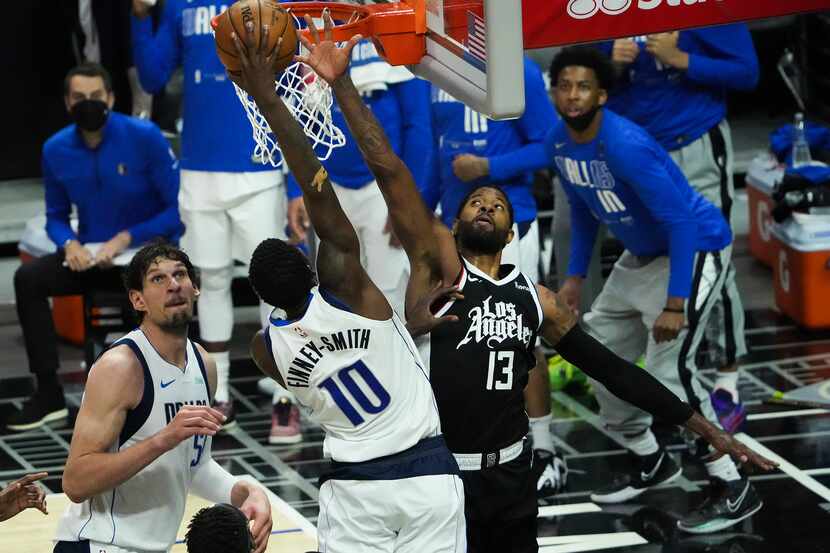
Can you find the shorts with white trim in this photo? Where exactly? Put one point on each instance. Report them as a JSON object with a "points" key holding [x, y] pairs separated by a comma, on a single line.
{"points": [[410, 502], [623, 316], [524, 250], [707, 164], [226, 215], [501, 507]]}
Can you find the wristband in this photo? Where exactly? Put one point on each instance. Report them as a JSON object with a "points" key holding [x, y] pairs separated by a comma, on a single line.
{"points": [[674, 309]]}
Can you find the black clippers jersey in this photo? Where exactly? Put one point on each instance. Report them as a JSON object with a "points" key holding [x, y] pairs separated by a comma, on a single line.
{"points": [[479, 365]]}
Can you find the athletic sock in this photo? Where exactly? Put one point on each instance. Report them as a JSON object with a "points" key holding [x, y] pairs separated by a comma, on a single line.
{"points": [[540, 431], [723, 468], [223, 369], [279, 393], [643, 444], [728, 381]]}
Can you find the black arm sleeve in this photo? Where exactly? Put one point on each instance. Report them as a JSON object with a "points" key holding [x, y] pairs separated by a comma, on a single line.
{"points": [[623, 379]]}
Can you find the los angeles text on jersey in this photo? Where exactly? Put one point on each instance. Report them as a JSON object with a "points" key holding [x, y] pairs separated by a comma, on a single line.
{"points": [[311, 353], [496, 322], [171, 408]]}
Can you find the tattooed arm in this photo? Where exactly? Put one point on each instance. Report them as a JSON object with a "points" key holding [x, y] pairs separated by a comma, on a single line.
{"points": [[411, 220], [338, 258]]}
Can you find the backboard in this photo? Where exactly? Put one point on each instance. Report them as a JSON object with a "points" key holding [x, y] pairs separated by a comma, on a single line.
{"points": [[474, 51]]}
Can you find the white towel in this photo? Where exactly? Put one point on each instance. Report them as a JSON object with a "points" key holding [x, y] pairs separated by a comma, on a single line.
{"points": [[371, 73]]}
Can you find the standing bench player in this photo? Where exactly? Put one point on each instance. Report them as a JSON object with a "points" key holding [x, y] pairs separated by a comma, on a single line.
{"points": [[479, 365], [142, 439], [349, 359]]}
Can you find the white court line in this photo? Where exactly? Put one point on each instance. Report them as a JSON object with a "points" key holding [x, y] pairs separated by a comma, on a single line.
{"points": [[568, 509], [784, 414], [588, 542], [791, 470], [286, 509]]}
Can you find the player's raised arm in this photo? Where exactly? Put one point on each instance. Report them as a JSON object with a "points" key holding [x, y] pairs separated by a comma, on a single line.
{"points": [[410, 217], [628, 381], [257, 78]]}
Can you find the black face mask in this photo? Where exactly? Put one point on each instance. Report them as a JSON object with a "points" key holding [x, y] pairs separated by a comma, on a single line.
{"points": [[580, 122], [90, 115]]}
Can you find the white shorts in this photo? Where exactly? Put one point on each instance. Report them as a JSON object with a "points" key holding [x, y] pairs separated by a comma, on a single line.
{"points": [[226, 215], [423, 514], [387, 266], [524, 252]]}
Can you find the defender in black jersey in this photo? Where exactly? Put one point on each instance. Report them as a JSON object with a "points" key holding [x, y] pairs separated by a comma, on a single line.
{"points": [[480, 363]]}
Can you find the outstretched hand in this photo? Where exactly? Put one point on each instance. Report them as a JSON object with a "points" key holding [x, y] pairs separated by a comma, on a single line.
{"points": [[258, 66], [23, 494], [420, 319], [724, 443], [325, 57]]}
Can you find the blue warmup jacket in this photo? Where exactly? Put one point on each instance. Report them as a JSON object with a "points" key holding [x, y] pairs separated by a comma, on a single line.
{"points": [[627, 181], [460, 130], [403, 112], [129, 182], [678, 107], [216, 135]]}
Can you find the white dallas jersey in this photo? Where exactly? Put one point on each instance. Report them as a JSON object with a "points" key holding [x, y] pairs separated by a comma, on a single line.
{"points": [[144, 513], [362, 380]]}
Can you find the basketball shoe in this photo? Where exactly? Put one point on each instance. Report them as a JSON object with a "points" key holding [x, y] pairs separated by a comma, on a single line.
{"points": [[550, 471], [653, 470], [285, 423], [730, 414], [726, 504]]}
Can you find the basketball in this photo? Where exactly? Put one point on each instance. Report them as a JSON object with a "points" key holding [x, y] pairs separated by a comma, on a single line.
{"points": [[260, 12]]}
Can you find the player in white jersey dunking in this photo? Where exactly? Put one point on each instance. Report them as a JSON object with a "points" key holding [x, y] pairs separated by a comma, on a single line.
{"points": [[142, 439], [480, 365], [349, 359]]}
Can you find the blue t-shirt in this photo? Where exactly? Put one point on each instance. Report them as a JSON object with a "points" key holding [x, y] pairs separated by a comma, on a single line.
{"points": [[216, 135], [461, 130], [129, 182], [627, 181], [678, 107]]}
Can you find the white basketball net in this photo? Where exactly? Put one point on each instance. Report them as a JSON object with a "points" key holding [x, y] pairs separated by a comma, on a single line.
{"points": [[309, 99]]}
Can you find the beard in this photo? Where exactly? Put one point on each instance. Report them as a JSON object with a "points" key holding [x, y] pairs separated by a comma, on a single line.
{"points": [[177, 321], [488, 242], [580, 122]]}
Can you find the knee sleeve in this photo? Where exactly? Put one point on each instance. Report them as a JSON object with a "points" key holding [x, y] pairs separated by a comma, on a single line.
{"points": [[216, 305]]}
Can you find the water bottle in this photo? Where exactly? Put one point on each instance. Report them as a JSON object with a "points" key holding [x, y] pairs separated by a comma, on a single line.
{"points": [[801, 148]]}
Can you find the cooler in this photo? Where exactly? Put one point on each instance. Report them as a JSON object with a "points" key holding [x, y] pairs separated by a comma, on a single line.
{"points": [[67, 311], [763, 174], [802, 269]]}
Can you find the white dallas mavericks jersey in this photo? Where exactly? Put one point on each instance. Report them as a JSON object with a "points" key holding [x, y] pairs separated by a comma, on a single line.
{"points": [[144, 513], [361, 379]]}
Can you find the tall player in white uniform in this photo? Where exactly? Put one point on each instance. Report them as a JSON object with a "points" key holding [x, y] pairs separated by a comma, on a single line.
{"points": [[348, 358], [142, 439]]}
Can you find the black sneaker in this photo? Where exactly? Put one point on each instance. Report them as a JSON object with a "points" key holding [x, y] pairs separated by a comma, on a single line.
{"points": [[654, 470], [728, 503], [37, 411], [550, 472]]}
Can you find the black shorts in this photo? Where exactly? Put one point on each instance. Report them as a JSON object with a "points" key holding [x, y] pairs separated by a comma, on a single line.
{"points": [[71, 547], [500, 507]]}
